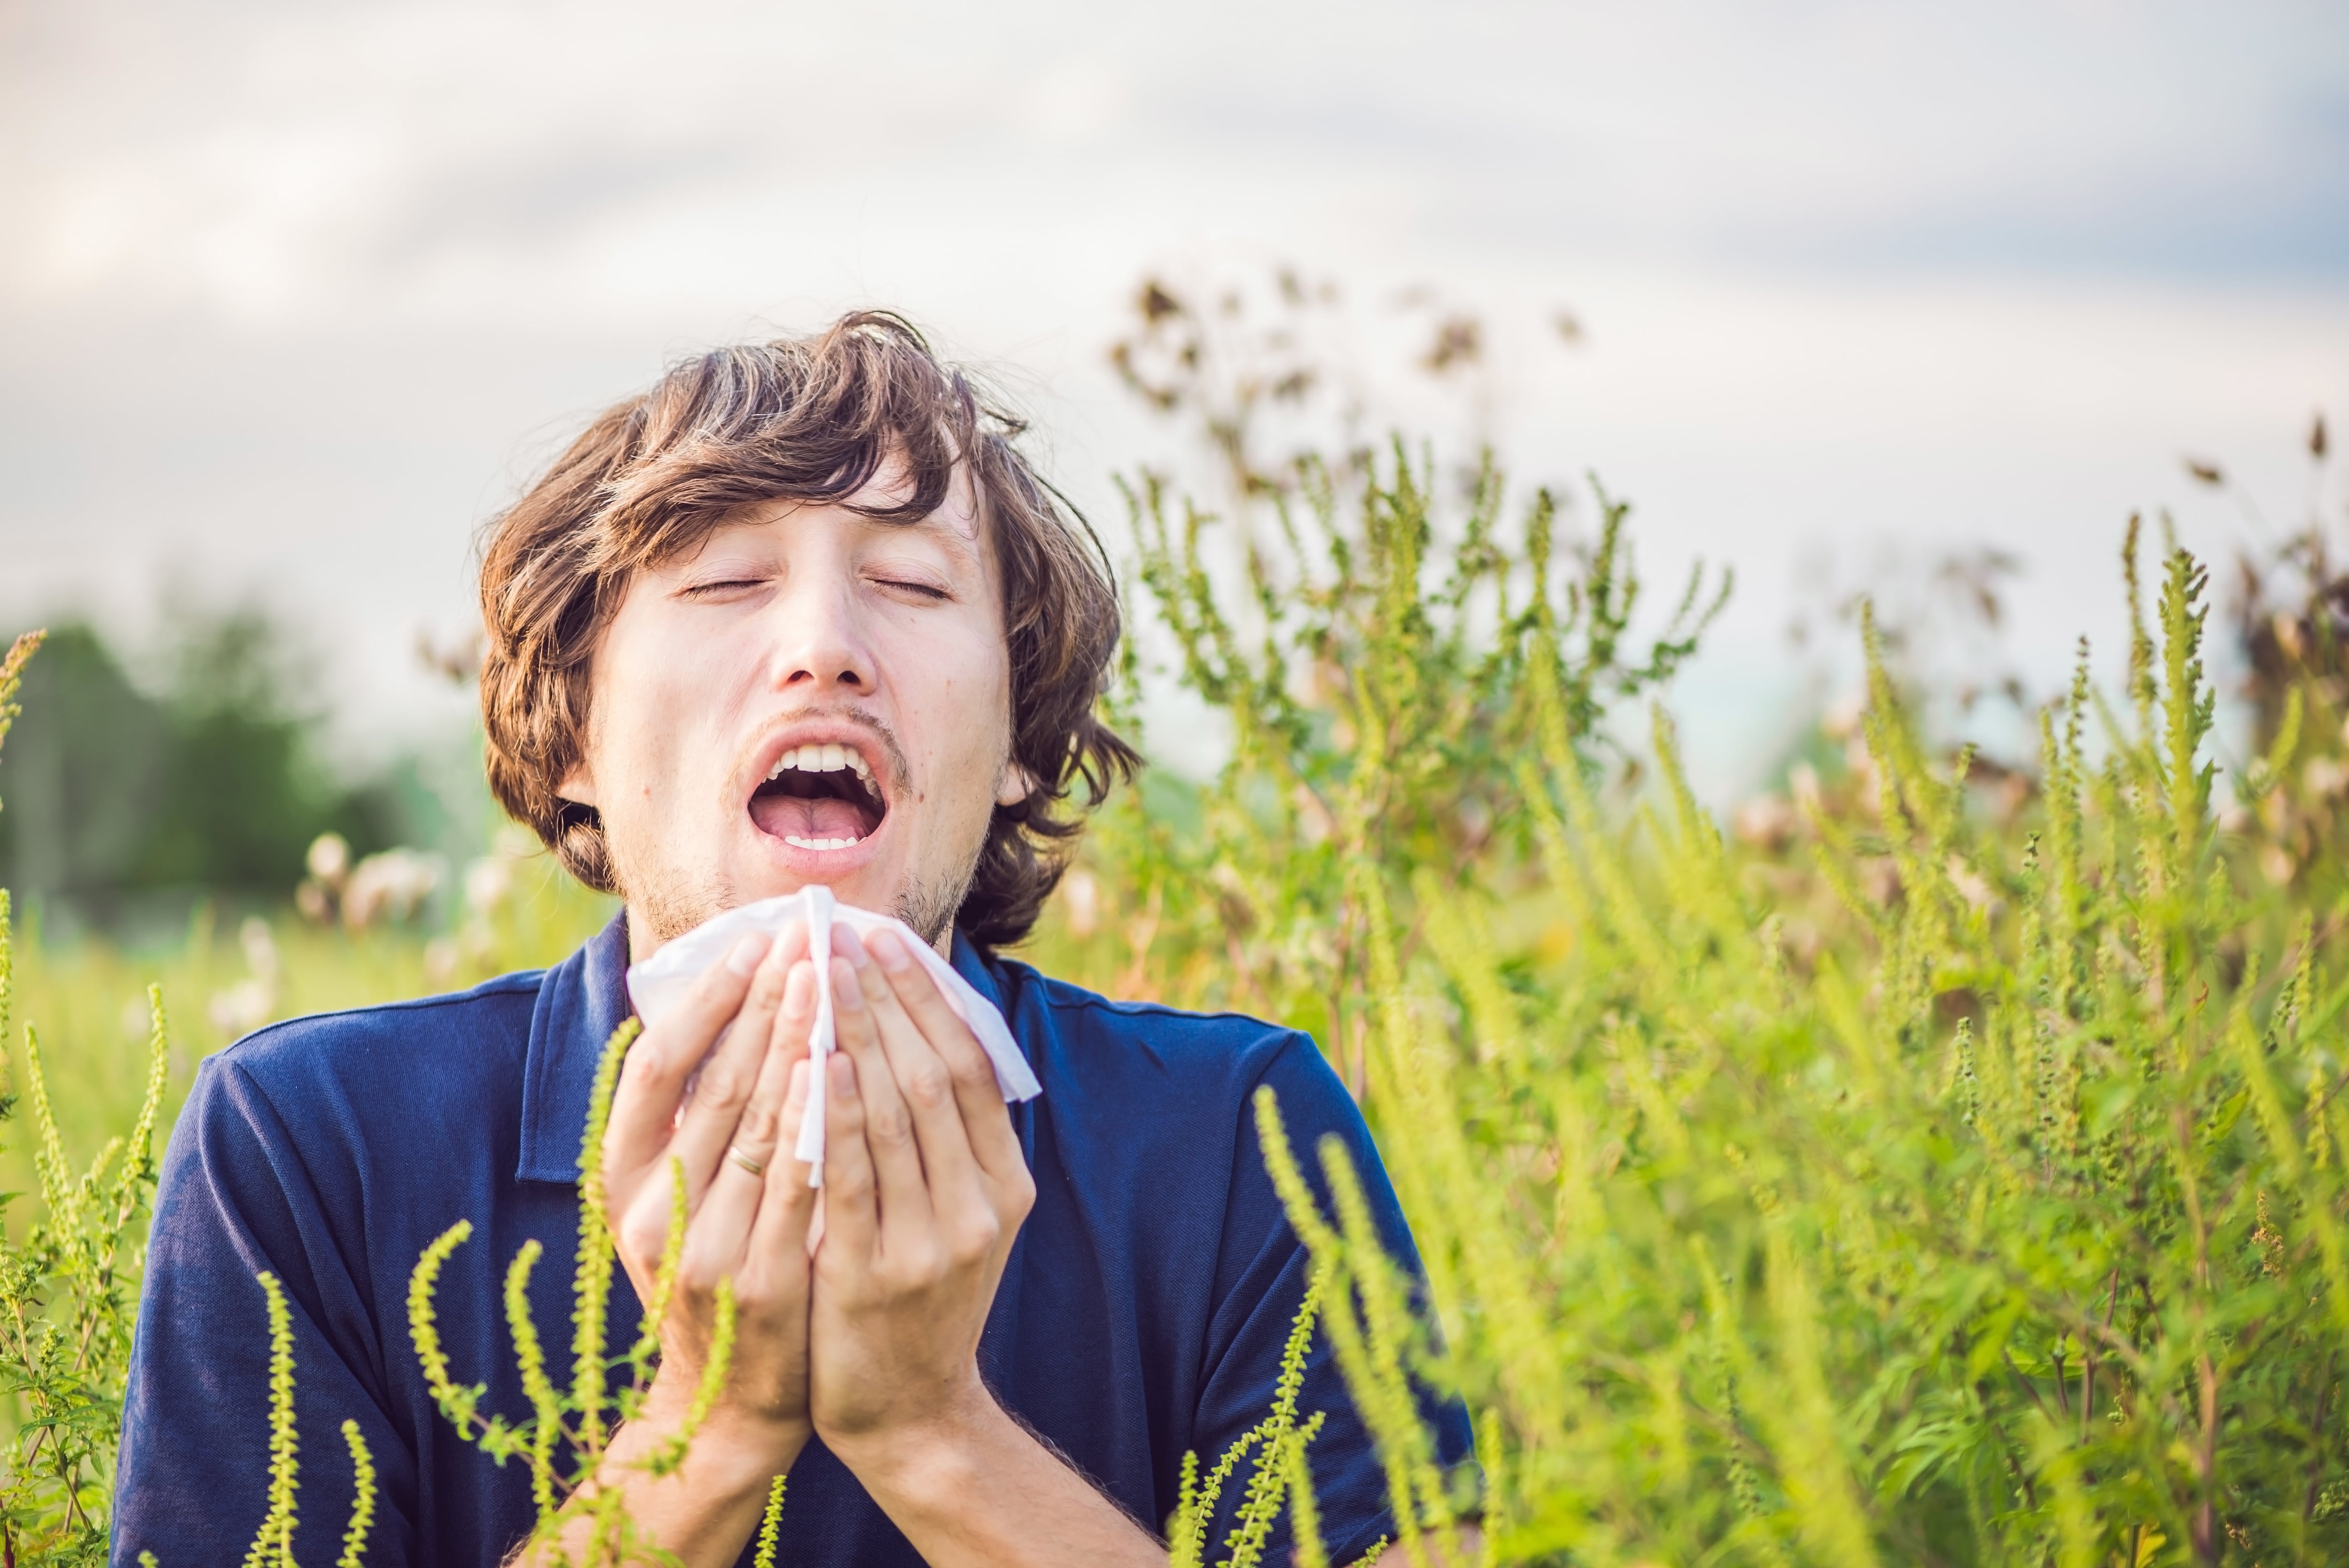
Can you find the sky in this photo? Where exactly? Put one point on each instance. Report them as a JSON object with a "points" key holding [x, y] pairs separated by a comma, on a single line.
{"points": [[293, 296]]}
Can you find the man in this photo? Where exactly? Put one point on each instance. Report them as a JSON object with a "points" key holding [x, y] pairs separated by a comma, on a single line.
{"points": [[800, 614]]}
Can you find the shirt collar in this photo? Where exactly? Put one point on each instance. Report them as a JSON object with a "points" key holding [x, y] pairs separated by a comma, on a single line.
{"points": [[972, 965], [580, 1002]]}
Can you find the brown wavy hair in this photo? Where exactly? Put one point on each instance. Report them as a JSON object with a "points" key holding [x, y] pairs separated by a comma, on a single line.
{"points": [[803, 419]]}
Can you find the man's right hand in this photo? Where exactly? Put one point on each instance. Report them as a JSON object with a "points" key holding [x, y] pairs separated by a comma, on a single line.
{"points": [[748, 1202]]}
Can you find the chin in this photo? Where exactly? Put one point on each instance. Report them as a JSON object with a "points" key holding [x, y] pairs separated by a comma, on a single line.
{"points": [[865, 877]]}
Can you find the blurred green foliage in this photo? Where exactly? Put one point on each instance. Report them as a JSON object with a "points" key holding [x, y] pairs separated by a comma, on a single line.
{"points": [[217, 783]]}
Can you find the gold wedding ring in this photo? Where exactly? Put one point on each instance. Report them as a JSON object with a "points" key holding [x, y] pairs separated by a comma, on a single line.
{"points": [[745, 1161]]}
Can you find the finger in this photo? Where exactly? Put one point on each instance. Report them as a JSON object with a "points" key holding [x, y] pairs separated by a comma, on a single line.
{"points": [[731, 1075], [926, 1085], [905, 1198], [851, 1224], [986, 1120], [720, 1232], [788, 1205], [642, 1231], [653, 1078]]}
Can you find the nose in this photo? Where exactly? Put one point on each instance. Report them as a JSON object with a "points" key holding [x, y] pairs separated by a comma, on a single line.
{"points": [[820, 648]]}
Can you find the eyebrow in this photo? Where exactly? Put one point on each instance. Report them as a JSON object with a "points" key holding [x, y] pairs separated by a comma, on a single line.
{"points": [[964, 546]]}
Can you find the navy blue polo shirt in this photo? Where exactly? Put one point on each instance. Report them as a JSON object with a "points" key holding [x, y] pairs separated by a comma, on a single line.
{"points": [[1140, 1316]]}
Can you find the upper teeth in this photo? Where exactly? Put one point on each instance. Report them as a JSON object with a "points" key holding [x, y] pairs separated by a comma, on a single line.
{"points": [[825, 758]]}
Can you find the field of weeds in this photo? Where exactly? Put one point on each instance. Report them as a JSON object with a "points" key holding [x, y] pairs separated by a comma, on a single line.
{"points": [[1949, 1167]]}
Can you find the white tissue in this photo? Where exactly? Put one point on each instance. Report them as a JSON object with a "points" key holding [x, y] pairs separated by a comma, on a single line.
{"points": [[661, 981]]}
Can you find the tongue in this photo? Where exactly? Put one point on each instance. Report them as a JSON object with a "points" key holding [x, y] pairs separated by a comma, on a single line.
{"points": [[787, 816]]}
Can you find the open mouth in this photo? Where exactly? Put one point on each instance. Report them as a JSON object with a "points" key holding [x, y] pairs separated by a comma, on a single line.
{"points": [[820, 797]]}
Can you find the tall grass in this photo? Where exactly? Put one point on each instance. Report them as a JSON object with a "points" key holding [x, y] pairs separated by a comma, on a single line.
{"points": [[1954, 1184]]}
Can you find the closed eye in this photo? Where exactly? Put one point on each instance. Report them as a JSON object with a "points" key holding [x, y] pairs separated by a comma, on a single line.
{"points": [[926, 589], [721, 586]]}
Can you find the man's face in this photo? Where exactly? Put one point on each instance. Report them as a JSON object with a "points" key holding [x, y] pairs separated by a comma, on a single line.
{"points": [[810, 696]]}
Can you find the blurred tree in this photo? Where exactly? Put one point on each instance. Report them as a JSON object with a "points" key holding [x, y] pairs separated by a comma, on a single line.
{"points": [[247, 791], [86, 760], [215, 784]]}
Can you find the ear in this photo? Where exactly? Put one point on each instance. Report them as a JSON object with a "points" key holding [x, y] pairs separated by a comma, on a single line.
{"points": [[1016, 785], [578, 786]]}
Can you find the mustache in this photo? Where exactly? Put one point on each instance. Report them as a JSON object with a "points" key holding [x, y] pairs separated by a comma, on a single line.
{"points": [[893, 755]]}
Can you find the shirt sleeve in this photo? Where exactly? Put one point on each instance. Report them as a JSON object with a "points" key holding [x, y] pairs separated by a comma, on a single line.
{"points": [[1261, 1274], [192, 1476]]}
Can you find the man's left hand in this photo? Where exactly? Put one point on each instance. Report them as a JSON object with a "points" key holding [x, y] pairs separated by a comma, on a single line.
{"points": [[925, 1186]]}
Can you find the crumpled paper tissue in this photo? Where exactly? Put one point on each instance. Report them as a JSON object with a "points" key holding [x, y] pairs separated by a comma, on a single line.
{"points": [[660, 981]]}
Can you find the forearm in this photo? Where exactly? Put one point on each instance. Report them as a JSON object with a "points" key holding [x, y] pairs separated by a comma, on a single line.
{"points": [[973, 1489], [702, 1512]]}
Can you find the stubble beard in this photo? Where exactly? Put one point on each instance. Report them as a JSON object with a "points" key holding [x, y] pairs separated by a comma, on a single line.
{"points": [[928, 904], [674, 904]]}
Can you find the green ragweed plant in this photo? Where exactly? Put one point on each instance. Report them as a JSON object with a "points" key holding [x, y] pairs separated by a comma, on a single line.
{"points": [[272, 1543], [564, 1440], [1380, 682], [12, 676], [68, 1297], [1370, 629], [2003, 1225], [1279, 1478], [68, 1289], [1366, 1304]]}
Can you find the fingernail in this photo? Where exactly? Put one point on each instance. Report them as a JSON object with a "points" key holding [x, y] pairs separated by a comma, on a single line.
{"points": [[846, 993], [844, 942], [744, 957], [795, 1093], [844, 1073], [889, 951], [798, 987]]}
